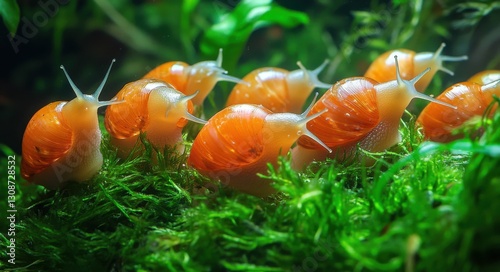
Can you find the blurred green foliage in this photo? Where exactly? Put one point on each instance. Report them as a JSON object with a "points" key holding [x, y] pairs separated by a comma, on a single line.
{"points": [[9, 10], [233, 30], [86, 35]]}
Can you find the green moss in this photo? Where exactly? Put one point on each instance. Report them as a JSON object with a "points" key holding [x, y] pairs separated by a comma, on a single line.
{"points": [[420, 207], [425, 207]]}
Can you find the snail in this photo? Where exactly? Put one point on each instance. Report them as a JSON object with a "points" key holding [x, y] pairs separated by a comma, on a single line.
{"points": [[361, 112], [411, 64], [471, 99], [277, 89], [485, 77], [153, 107], [239, 141], [62, 140], [189, 79]]}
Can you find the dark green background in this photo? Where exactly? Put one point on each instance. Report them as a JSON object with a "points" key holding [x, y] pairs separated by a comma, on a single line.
{"points": [[81, 36]]}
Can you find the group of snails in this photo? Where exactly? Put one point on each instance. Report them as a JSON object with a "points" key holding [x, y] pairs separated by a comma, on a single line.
{"points": [[262, 119]]}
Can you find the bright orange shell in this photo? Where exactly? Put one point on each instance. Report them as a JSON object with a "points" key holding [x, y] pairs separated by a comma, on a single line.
{"points": [[352, 113], [485, 77], [268, 87], [229, 141], [383, 69], [46, 139], [438, 121], [125, 120], [173, 72]]}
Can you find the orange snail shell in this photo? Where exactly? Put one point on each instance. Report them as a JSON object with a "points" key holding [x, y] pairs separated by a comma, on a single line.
{"points": [[382, 68], [239, 141], [277, 89], [485, 77], [40, 150], [438, 121], [230, 149], [361, 112], [62, 140], [352, 113], [128, 119], [163, 127], [173, 72], [411, 64], [227, 141], [267, 87], [198, 78]]}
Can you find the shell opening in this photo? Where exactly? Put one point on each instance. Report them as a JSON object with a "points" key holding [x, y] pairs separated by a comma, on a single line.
{"points": [[410, 85], [312, 76]]}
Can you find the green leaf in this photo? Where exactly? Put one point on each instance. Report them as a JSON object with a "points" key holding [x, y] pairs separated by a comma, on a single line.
{"points": [[9, 10], [188, 7], [232, 31]]}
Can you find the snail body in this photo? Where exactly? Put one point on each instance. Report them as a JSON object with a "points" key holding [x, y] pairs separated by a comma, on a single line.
{"points": [[277, 89], [152, 107], [189, 79], [239, 141], [411, 64], [471, 99], [62, 140], [361, 112]]}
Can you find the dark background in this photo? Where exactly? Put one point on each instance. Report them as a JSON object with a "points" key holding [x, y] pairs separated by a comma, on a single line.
{"points": [[81, 36]]}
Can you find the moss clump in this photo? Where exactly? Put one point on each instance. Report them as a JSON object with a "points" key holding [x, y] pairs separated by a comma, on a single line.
{"points": [[434, 208], [425, 207]]}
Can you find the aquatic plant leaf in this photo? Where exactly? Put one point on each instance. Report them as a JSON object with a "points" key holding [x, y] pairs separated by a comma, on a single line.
{"points": [[9, 10], [233, 30], [472, 12]]}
